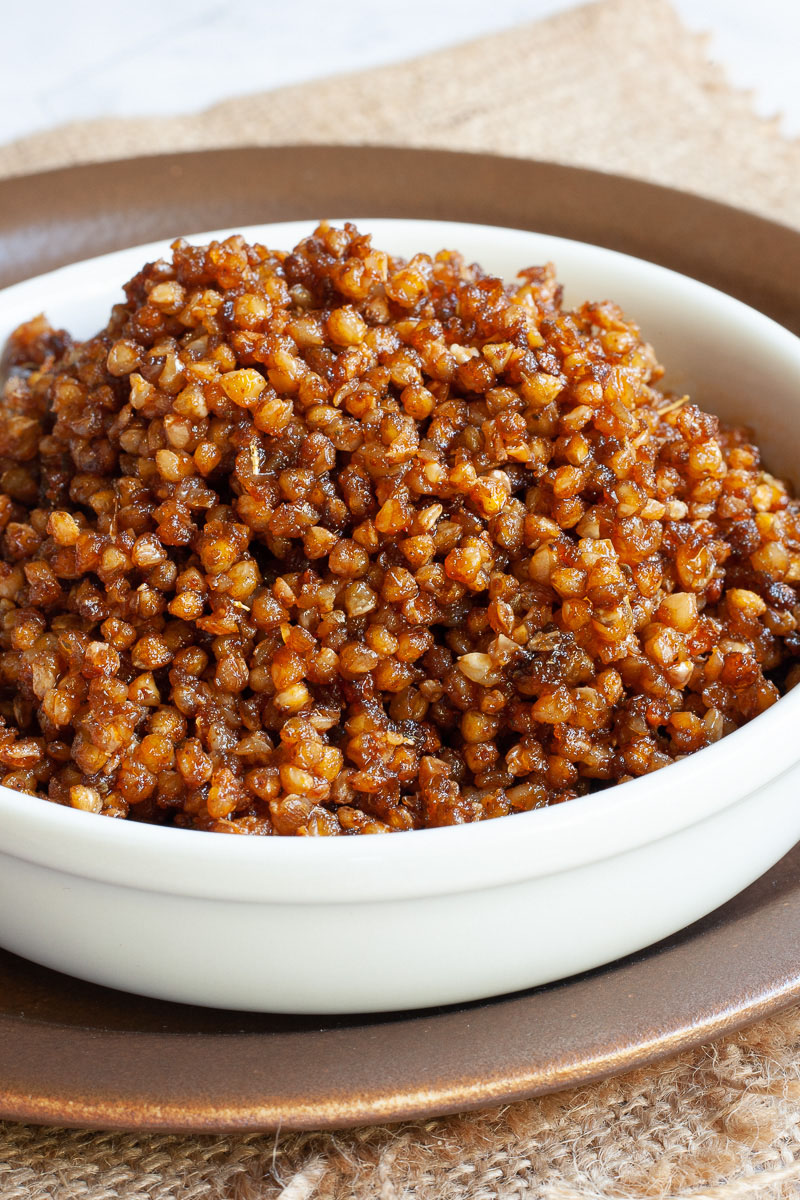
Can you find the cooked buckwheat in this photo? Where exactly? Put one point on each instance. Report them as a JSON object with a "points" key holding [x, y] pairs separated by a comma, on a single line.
{"points": [[326, 542]]}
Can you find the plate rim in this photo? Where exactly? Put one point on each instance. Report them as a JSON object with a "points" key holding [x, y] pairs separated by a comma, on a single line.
{"points": [[159, 1115]]}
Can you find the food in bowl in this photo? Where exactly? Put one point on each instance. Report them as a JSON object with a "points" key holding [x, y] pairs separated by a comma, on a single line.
{"points": [[328, 542], [267, 923]]}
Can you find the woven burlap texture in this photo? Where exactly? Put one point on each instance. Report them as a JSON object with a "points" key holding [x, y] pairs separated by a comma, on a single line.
{"points": [[621, 86], [618, 85]]}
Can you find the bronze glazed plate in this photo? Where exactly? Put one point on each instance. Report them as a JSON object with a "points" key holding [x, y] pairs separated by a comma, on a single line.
{"points": [[72, 1053]]}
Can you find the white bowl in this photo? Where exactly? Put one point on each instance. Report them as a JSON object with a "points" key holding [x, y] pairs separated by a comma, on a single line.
{"points": [[441, 915]]}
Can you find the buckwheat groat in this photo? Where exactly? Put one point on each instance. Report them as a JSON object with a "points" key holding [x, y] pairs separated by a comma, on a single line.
{"points": [[326, 542]]}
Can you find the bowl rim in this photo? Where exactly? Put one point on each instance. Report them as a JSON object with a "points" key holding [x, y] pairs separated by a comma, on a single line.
{"points": [[451, 859]]}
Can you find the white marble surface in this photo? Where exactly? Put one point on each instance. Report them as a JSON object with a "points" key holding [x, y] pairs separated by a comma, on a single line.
{"points": [[64, 61]]}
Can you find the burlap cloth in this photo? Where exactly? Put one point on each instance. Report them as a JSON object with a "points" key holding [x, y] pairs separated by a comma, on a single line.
{"points": [[620, 86]]}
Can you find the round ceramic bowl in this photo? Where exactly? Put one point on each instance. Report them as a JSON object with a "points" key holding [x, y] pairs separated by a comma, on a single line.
{"points": [[442, 915]]}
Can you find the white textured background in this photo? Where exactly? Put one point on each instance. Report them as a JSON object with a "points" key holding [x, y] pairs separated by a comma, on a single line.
{"points": [[61, 61]]}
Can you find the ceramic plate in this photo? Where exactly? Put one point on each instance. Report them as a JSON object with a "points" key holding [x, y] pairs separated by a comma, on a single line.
{"points": [[73, 1053]]}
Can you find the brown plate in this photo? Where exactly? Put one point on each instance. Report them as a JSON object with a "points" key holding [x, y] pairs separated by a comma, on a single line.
{"points": [[75, 1054]]}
